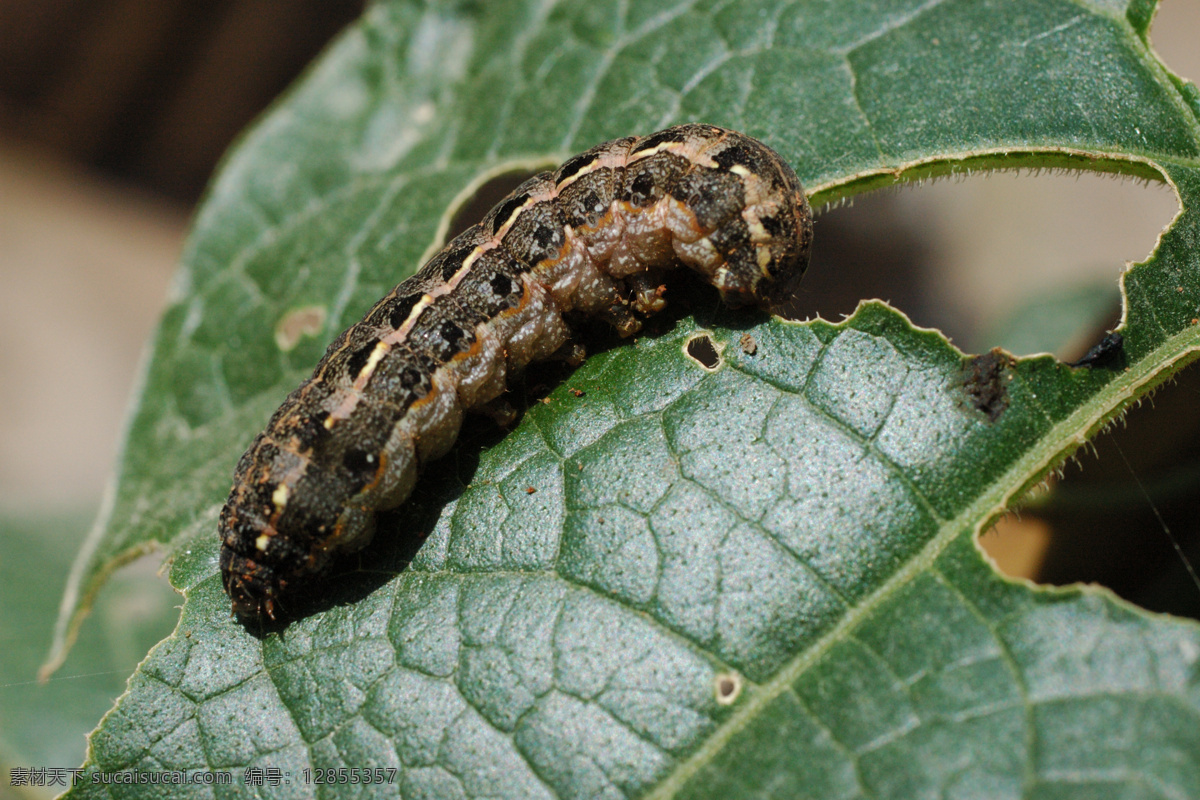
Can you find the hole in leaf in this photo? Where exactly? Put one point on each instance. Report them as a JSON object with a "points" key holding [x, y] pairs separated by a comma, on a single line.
{"points": [[489, 193], [1025, 262], [703, 351], [1103, 520], [728, 687], [1174, 36]]}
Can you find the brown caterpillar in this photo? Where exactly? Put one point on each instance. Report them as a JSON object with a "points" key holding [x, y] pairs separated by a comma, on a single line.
{"points": [[592, 237]]}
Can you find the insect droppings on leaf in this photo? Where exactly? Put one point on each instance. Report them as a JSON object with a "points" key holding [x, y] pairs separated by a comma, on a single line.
{"points": [[985, 381]]}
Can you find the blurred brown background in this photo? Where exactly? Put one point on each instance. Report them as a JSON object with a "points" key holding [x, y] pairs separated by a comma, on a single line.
{"points": [[152, 91], [113, 114]]}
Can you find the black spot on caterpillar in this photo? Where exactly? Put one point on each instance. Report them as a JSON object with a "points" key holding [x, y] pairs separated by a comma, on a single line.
{"points": [[388, 396]]}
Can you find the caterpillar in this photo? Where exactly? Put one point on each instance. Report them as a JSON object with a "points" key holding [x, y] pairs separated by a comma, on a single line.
{"points": [[592, 238]]}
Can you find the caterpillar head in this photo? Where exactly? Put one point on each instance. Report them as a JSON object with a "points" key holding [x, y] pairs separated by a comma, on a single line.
{"points": [[770, 240]]}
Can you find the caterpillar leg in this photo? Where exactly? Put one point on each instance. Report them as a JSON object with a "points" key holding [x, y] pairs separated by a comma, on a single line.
{"points": [[572, 353], [622, 319], [500, 411], [648, 290]]}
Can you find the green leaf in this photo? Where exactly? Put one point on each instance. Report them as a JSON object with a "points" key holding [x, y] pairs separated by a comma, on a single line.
{"points": [[759, 580], [45, 724]]}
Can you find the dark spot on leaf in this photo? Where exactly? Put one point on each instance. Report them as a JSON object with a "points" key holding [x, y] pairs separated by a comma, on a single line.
{"points": [[985, 381]]}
